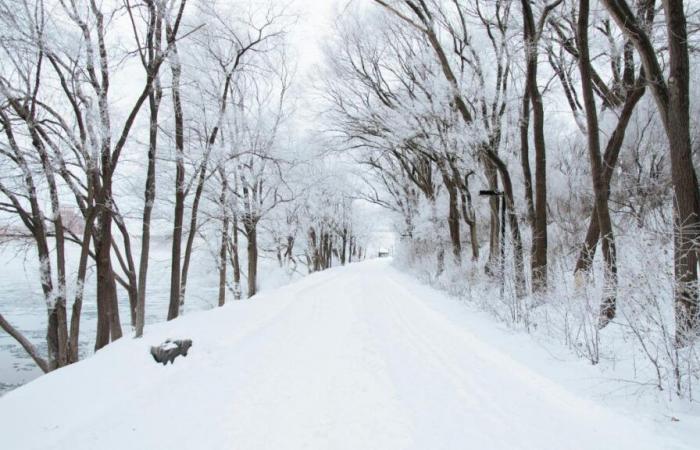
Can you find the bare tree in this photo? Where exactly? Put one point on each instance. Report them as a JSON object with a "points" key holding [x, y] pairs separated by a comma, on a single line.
{"points": [[532, 33], [601, 191], [227, 48], [148, 51]]}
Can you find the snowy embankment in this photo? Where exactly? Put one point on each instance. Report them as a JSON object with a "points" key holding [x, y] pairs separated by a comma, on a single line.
{"points": [[23, 303], [359, 357]]}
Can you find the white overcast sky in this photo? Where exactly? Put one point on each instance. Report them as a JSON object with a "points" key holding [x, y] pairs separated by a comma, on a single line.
{"points": [[316, 19], [315, 23]]}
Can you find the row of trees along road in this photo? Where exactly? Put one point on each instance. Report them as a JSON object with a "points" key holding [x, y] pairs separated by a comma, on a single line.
{"points": [[434, 97]]}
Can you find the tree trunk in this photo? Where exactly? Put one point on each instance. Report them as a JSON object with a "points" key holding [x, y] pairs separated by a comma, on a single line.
{"points": [[108, 326], [525, 154], [235, 263], [512, 218], [315, 265], [327, 250], [251, 235], [453, 215], [57, 332], [344, 244], [222, 261], [128, 266], [608, 304], [453, 223], [174, 309], [53, 309], [154, 98], [612, 151], [494, 229], [74, 337], [469, 217], [289, 251], [59, 313], [539, 230], [224, 240], [176, 297], [440, 249], [685, 182]]}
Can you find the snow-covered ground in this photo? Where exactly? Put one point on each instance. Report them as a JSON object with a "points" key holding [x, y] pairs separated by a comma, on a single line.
{"points": [[358, 357]]}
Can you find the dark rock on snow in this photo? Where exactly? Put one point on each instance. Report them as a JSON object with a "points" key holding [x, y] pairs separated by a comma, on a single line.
{"points": [[169, 350]]}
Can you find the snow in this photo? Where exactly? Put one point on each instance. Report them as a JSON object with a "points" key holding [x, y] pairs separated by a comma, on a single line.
{"points": [[357, 357], [168, 345]]}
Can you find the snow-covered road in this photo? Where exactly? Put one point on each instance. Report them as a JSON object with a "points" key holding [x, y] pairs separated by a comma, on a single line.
{"points": [[352, 358]]}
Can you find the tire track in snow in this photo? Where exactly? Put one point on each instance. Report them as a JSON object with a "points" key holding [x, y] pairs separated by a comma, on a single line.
{"points": [[442, 379], [553, 400]]}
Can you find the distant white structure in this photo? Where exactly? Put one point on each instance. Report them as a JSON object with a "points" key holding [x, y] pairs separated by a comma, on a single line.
{"points": [[381, 244]]}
